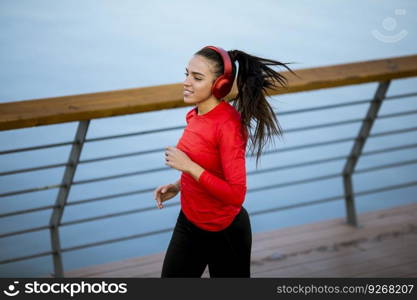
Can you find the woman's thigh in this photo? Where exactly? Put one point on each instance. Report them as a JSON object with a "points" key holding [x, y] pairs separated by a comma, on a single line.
{"points": [[230, 251], [185, 256]]}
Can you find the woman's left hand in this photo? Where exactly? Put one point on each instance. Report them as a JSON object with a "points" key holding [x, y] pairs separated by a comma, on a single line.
{"points": [[177, 159]]}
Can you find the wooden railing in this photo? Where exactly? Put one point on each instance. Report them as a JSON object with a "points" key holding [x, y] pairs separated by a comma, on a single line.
{"points": [[121, 102]]}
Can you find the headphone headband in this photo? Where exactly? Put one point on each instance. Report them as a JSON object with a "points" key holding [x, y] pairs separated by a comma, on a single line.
{"points": [[227, 62], [223, 83]]}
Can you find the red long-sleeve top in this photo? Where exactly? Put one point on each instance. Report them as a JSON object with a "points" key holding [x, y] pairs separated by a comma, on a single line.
{"points": [[217, 142]]}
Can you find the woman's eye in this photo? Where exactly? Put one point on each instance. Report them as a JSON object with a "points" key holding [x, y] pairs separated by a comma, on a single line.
{"points": [[186, 74]]}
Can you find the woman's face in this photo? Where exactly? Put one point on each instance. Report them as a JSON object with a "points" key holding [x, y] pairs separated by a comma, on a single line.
{"points": [[198, 81]]}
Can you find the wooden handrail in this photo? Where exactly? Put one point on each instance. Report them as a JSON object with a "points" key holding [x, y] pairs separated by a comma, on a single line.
{"points": [[71, 108]]}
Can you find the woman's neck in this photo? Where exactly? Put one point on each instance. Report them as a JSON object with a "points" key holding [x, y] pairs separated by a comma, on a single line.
{"points": [[207, 105]]}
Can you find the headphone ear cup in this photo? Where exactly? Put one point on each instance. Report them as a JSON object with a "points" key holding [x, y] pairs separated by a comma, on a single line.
{"points": [[215, 88], [221, 87]]}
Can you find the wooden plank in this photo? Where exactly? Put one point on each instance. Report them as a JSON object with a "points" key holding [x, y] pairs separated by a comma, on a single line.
{"points": [[374, 267], [332, 236], [96, 270], [393, 271], [370, 219], [399, 270], [88, 106], [372, 258], [316, 264], [365, 218], [338, 253], [342, 270]]}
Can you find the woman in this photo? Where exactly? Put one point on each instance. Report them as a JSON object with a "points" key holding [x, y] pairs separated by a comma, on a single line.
{"points": [[213, 228]]}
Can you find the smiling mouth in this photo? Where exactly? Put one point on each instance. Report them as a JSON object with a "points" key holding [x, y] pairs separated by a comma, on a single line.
{"points": [[187, 93]]}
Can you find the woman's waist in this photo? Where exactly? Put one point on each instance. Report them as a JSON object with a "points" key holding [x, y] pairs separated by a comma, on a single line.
{"points": [[210, 220]]}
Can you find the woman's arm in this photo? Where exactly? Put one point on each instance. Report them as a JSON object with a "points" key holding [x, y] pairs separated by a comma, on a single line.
{"points": [[178, 184], [195, 171]]}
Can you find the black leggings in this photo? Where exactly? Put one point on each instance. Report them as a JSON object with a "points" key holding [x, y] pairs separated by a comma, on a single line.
{"points": [[227, 252]]}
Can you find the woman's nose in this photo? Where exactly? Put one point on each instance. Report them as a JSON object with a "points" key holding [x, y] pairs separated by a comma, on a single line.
{"points": [[186, 82]]}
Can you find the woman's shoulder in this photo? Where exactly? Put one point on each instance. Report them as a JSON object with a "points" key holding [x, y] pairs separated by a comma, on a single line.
{"points": [[230, 114], [232, 123], [189, 114]]}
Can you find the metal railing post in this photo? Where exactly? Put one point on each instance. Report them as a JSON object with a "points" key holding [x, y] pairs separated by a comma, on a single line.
{"points": [[356, 151], [62, 197]]}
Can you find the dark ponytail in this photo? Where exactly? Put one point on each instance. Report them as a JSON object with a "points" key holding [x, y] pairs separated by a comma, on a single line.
{"points": [[253, 79]]}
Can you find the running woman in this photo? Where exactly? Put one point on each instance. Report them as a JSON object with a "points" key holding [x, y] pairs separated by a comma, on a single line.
{"points": [[213, 228]]}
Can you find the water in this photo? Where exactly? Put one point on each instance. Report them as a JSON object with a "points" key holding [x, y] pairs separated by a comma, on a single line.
{"points": [[51, 48]]}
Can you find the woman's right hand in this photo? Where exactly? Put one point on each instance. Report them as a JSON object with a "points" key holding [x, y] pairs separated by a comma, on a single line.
{"points": [[164, 193]]}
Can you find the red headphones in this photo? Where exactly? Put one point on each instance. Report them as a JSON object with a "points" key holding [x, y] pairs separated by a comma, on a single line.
{"points": [[223, 84]]}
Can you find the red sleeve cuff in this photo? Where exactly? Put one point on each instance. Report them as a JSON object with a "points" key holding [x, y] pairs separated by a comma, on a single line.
{"points": [[203, 174]]}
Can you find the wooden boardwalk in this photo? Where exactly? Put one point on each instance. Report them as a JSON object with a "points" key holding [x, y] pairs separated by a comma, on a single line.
{"points": [[385, 245]]}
